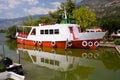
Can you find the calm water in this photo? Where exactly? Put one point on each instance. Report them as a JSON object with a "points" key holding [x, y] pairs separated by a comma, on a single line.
{"points": [[44, 63]]}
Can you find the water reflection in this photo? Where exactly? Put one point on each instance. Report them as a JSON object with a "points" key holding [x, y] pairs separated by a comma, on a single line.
{"points": [[12, 44], [50, 58], [75, 64], [44, 63]]}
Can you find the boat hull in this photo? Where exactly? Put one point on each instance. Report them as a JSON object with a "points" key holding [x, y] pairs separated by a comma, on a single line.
{"points": [[89, 44]]}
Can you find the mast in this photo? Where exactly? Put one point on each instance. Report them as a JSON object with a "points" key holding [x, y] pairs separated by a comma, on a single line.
{"points": [[65, 13]]}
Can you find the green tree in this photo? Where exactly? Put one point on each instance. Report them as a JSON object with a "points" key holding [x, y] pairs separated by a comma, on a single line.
{"points": [[10, 43], [11, 31], [2, 31], [112, 25], [84, 17], [56, 15], [45, 19], [30, 21], [69, 6]]}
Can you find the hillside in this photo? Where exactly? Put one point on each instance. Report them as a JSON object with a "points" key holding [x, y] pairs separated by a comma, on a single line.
{"points": [[103, 8], [5, 23]]}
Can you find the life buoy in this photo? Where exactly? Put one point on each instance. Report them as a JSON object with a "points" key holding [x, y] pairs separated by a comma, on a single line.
{"points": [[68, 52], [53, 51], [90, 55], [90, 43], [96, 55], [96, 43], [84, 43], [40, 43], [84, 55], [34, 42], [53, 43], [69, 43], [34, 48], [40, 49]]}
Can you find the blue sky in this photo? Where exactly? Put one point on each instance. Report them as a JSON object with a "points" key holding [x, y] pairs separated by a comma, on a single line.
{"points": [[20, 8]]}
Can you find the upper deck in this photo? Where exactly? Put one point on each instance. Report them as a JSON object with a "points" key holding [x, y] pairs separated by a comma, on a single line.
{"points": [[57, 32]]}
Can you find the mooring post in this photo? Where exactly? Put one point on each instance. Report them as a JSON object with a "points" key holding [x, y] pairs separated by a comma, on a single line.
{"points": [[3, 51]]}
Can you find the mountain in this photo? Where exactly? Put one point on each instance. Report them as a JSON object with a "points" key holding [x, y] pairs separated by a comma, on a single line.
{"points": [[5, 23], [103, 8]]}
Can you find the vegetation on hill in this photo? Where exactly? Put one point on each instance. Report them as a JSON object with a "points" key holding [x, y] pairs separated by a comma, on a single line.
{"points": [[2, 31], [103, 8]]}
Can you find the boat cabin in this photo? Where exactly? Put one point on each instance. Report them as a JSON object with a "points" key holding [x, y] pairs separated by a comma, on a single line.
{"points": [[55, 32], [116, 35]]}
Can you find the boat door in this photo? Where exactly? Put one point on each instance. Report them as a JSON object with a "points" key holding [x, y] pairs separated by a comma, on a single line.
{"points": [[73, 32]]}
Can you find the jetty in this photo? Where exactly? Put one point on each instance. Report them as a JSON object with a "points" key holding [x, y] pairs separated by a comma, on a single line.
{"points": [[118, 48], [111, 45]]}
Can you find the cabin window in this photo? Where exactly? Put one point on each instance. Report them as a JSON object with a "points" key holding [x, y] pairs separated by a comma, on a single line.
{"points": [[87, 31], [42, 59], [57, 63], [33, 32], [56, 31], [46, 31], [46, 61], [51, 31], [51, 62], [41, 31], [72, 21]]}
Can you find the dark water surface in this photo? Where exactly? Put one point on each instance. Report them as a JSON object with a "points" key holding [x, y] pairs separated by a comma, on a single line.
{"points": [[44, 63]]}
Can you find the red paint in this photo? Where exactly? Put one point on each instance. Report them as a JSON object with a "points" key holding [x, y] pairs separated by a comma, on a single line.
{"points": [[59, 44], [28, 42], [22, 34], [47, 44]]}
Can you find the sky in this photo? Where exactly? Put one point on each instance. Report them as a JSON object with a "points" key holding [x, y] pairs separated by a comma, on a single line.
{"points": [[20, 8]]}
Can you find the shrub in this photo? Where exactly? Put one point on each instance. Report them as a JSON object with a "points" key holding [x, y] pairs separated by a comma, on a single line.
{"points": [[2, 68], [117, 41]]}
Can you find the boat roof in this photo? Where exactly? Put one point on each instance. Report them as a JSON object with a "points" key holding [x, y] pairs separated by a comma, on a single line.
{"points": [[68, 21]]}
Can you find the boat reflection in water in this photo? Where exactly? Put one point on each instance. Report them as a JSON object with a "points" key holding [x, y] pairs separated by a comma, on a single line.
{"points": [[57, 59], [61, 61], [70, 64]]}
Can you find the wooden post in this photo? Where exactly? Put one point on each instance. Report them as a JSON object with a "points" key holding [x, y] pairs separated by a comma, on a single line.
{"points": [[3, 52], [66, 44]]}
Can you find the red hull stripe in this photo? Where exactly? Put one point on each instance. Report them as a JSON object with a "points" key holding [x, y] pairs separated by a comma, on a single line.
{"points": [[92, 44]]}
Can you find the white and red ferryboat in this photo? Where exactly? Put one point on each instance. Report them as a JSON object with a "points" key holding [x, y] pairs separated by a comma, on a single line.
{"points": [[67, 34]]}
